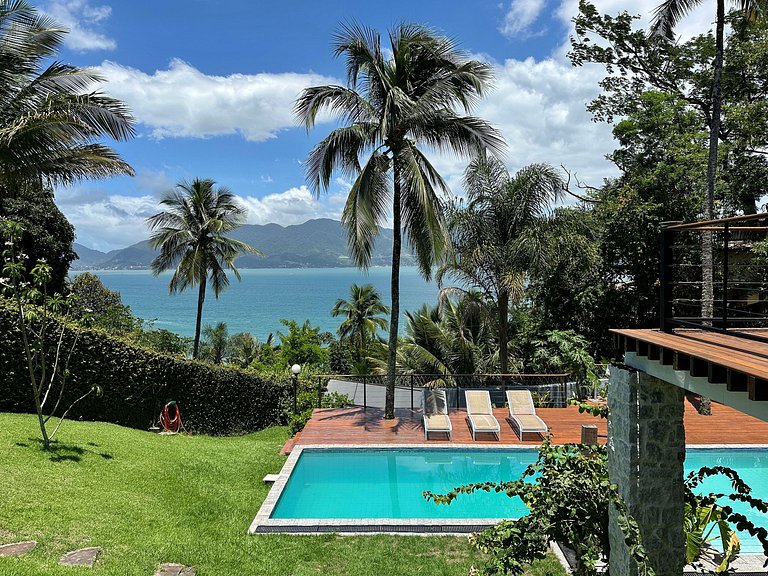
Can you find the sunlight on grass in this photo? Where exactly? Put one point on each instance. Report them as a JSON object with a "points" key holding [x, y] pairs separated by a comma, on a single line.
{"points": [[147, 499]]}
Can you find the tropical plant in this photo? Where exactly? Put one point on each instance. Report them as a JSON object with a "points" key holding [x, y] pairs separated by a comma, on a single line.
{"points": [[499, 237], [304, 344], [192, 236], [215, 345], [397, 99], [244, 348], [46, 353], [568, 494], [102, 307], [50, 115], [362, 317], [563, 351]]}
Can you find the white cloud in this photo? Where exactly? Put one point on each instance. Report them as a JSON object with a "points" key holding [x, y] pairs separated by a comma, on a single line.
{"points": [[83, 20], [293, 206], [520, 16], [184, 102]]}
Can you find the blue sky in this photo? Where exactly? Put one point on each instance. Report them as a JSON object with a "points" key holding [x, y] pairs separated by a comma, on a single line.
{"points": [[212, 84]]}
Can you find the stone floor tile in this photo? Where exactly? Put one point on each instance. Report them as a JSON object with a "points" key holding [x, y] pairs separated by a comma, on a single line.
{"points": [[17, 548], [85, 557]]}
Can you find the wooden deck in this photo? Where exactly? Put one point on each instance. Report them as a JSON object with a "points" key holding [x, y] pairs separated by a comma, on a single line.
{"points": [[739, 363], [356, 426]]}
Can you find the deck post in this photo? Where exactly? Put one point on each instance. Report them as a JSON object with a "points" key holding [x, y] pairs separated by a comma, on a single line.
{"points": [[726, 234], [665, 277], [646, 450], [365, 399]]}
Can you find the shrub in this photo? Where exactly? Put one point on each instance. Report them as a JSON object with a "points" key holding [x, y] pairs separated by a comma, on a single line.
{"points": [[137, 382]]}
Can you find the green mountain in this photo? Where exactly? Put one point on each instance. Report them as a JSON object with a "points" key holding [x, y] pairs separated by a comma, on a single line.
{"points": [[314, 244]]}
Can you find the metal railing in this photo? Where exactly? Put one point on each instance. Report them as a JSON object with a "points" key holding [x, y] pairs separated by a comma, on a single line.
{"points": [[369, 390], [737, 300]]}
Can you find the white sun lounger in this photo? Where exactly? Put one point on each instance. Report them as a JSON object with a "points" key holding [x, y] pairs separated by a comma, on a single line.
{"points": [[480, 413], [522, 414], [434, 407]]}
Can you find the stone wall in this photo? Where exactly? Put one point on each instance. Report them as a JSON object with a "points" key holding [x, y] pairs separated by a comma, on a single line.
{"points": [[646, 450]]}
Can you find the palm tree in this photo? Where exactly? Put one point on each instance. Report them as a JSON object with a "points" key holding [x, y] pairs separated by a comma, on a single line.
{"points": [[499, 235], [50, 115], [665, 18], [396, 100], [215, 347], [191, 235], [244, 348], [362, 314]]}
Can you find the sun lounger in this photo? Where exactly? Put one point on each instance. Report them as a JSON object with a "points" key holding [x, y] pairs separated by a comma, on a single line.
{"points": [[480, 413], [522, 413], [434, 406]]}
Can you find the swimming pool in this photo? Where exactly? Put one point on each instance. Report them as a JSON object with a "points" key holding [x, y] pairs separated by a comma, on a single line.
{"points": [[380, 489]]}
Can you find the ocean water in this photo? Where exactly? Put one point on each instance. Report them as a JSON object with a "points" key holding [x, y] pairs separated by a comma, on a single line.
{"points": [[262, 298]]}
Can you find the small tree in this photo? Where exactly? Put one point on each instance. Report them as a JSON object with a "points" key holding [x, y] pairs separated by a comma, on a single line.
{"points": [[47, 354]]}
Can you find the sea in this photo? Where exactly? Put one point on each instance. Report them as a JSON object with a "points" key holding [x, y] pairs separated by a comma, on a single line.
{"points": [[263, 297]]}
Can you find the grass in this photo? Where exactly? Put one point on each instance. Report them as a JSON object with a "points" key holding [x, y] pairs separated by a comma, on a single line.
{"points": [[147, 499]]}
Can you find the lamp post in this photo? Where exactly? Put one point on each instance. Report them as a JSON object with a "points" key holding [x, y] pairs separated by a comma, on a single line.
{"points": [[295, 369]]}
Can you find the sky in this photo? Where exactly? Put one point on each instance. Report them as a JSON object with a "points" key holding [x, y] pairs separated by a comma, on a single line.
{"points": [[211, 86]]}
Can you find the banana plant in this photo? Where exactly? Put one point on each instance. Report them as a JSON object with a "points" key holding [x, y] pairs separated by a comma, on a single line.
{"points": [[702, 518]]}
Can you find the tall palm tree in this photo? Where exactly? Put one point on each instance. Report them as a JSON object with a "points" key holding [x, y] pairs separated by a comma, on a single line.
{"points": [[396, 100], [362, 316], [50, 115], [191, 234], [665, 18], [499, 235]]}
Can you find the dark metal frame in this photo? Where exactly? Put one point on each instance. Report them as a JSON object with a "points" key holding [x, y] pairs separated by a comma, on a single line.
{"points": [[723, 324]]}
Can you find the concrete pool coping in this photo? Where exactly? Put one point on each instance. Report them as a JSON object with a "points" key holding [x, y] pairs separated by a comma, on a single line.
{"points": [[264, 524]]}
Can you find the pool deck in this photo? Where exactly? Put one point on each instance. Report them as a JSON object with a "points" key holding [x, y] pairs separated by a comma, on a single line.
{"points": [[357, 426]]}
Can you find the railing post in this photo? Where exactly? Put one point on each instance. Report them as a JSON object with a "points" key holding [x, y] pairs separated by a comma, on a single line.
{"points": [[365, 398], [411, 392], [726, 234], [665, 277], [319, 391]]}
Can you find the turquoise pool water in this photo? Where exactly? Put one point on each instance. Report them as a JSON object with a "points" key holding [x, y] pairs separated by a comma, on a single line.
{"points": [[354, 483]]}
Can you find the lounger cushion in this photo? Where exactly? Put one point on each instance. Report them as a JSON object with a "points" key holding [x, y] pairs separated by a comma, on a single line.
{"points": [[530, 423], [482, 422], [478, 402], [520, 402], [438, 423]]}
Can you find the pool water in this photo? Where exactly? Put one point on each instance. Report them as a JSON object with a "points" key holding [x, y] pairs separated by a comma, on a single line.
{"points": [[388, 483]]}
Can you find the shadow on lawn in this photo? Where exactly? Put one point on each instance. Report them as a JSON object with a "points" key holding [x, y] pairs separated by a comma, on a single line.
{"points": [[61, 452]]}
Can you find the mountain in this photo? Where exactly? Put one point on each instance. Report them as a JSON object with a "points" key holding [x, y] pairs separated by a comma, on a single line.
{"points": [[320, 243]]}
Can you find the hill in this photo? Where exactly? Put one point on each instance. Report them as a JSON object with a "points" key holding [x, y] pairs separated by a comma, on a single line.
{"points": [[317, 243]]}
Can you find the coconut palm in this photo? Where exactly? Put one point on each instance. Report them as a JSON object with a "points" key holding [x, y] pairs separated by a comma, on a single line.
{"points": [[362, 316], [192, 237], [397, 99], [666, 17], [498, 236], [215, 346], [50, 115]]}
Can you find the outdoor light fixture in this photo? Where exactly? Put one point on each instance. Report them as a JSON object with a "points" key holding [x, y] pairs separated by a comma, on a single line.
{"points": [[295, 369]]}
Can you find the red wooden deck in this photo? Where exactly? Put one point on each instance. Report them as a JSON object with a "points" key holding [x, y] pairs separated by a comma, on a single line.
{"points": [[355, 426]]}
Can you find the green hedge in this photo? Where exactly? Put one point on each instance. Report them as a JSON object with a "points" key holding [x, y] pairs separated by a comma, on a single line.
{"points": [[137, 383]]}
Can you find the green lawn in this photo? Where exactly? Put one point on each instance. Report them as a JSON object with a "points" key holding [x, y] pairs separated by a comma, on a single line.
{"points": [[147, 499]]}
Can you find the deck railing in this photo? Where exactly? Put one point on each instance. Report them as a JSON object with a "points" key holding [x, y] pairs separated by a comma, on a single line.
{"points": [[369, 390], [737, 302]]}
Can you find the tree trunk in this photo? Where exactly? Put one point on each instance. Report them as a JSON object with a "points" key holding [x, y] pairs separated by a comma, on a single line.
{"points": [[200, 300], [503, 336], [389, 405], [707, 275]]}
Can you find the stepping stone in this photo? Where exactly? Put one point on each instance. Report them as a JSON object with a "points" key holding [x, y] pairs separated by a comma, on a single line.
{"points": [[85, 557], [271, 478], [17, 549], [173, 569]]}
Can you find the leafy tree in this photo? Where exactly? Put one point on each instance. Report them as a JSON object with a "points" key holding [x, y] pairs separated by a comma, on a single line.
{"points": [[215, 346], [46, 352], [362, 317], [100, 305], [243, 349], [563, 351], [396, 100], [46, 235], [499, 237], [162, 340], [304, 345], [192, 236]]}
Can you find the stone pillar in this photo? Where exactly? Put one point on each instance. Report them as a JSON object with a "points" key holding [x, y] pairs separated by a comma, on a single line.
{"points": [[646, 450]]}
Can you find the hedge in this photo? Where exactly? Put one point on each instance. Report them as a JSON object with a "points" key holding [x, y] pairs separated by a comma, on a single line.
{"points": [[137, 383]]}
